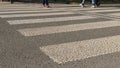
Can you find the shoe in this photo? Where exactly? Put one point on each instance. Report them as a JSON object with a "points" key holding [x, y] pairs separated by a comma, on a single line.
{"points": [[81, 5], [93, 6]]}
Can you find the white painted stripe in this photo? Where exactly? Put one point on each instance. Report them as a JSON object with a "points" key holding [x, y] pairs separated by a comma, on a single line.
{"points": [[15, 9], [40, 14], [66, 28], [116, 14], [16, 6], [20, 7], [45, 20], [78, 50], [109, 10], [89, 9], [27, 11]]}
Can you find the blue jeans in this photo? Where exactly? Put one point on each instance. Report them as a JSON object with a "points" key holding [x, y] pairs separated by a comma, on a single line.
{"points": [[93, 2], [45, 2]]}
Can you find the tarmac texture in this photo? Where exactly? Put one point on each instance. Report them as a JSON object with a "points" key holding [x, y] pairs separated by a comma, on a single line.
{"points": [[63, 36]]}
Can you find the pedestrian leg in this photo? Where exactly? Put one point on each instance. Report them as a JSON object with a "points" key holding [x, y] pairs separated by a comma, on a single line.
{"points": [[43, 2], [82, 4], [12, 1], [93, 4], [97, 3], [47, 3]]}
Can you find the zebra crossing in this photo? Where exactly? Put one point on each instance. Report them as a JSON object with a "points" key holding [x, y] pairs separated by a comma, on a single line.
{"points": [[109, 12], [99, 34]]}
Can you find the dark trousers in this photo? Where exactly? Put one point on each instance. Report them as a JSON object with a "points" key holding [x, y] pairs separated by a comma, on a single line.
{"points": [[45, 2], [12, 1], [97, 2]]}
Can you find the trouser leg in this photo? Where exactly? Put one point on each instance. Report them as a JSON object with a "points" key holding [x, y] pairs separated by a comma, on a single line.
{"points": [[93, 2], [83, 2], [47, 2], [43, 2], [97, 2], [12, 1]]}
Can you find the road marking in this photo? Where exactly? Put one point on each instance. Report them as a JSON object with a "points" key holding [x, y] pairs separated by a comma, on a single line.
{"points": [[66, 28], [115, 14], [17, 9], [45, 20], [108, 10], [89, 9], [27, 11], [40, 14], [75, 51]]}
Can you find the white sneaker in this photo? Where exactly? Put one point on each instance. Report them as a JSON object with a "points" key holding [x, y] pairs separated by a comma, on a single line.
{"points": [[81, 5], [93, 6]]}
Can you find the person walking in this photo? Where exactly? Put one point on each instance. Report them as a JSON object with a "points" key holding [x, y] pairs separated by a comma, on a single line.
{"points": [[83, 3], [45, 3]]}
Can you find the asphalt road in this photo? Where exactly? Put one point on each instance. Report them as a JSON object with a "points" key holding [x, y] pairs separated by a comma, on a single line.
{"points": [[63, 36]]}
